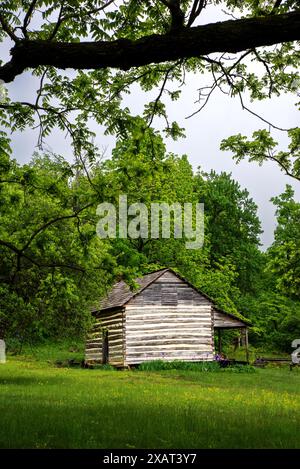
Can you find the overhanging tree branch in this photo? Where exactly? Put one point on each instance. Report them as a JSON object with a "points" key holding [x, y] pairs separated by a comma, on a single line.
{"points": [[197, 8], [177, 15], [28, 17], [62, 19], [20, 252], [52, 222], [284, 167], [6, 27], [276, 6], [228, 36]]}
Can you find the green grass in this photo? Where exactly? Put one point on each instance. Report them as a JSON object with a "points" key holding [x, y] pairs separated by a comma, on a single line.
{"points": [[42, 406], [50, 352], [213, 366]]}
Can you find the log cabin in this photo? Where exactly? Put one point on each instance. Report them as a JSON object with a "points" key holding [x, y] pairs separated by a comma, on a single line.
{"points": [[165, 318]]}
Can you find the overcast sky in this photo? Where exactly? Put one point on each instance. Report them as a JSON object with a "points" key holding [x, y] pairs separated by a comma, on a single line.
{"points": [[221, 118]]}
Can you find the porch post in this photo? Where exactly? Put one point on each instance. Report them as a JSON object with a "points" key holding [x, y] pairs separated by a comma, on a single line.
{"points": [[219, 341], [247, 344]]}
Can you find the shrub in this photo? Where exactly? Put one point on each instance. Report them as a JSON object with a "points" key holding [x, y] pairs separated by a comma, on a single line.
{"points": [[161, 365]]}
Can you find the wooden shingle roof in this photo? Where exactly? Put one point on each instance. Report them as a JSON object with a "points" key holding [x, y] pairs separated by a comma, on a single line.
{"points": [[121, 293]]}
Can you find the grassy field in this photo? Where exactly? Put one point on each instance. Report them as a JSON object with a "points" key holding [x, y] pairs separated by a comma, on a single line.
{"points": [[42, 406]]}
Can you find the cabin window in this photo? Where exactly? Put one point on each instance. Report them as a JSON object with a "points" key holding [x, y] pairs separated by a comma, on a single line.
{"points": [[105, 348]]}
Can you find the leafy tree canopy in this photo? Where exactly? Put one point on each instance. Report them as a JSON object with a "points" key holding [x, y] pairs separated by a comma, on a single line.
{"points": [[81, 59], [111, 45], [284, 254]]}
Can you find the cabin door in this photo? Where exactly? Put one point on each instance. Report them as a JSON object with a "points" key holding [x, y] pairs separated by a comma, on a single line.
{"points": [[105, 351]]}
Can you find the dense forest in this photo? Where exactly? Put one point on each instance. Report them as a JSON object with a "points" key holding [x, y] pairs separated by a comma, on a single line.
{"points": [[54, 266], [66, 68]]}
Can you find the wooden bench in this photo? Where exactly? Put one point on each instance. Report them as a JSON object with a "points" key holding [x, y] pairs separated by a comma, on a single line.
{"points": [[231, 361], [262, 361]]}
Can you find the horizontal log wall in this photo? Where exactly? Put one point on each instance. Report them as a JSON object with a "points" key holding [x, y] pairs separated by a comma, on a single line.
{"points": [[169, 320], [113, 322], [168, 333]]}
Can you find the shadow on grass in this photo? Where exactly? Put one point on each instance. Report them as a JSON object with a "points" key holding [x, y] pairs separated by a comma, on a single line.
{"points": [[141, 425]]}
